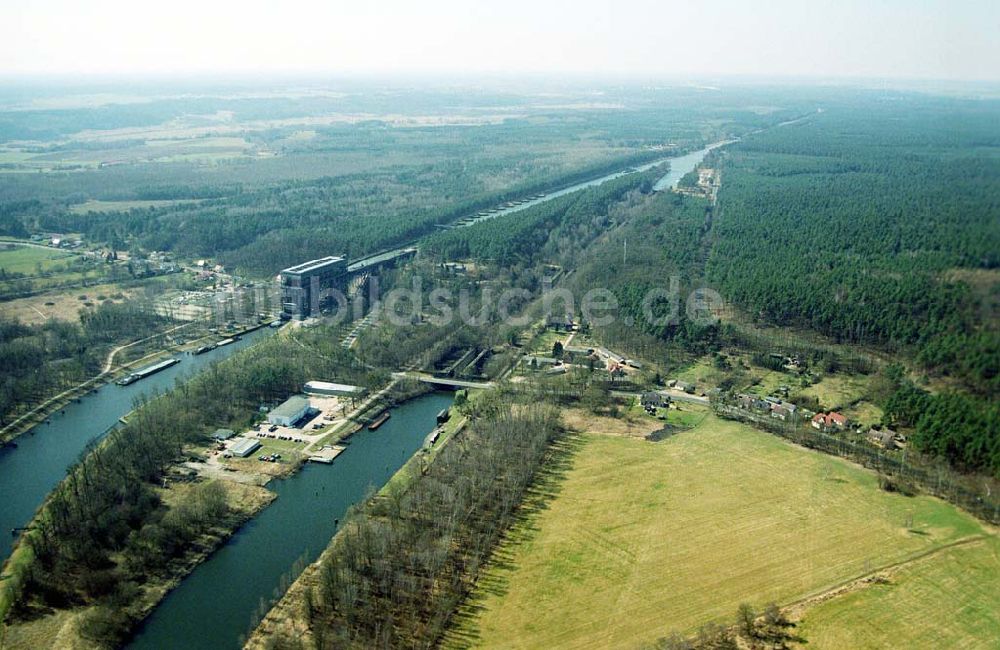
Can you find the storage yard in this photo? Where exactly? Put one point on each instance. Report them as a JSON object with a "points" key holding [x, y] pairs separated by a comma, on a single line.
{"points": [[293, 432]]}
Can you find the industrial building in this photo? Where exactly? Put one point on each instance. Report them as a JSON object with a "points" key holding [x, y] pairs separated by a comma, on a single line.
{"points": [[244, 447], [307, 287], [329, 388], [223, 434], [290, 412]]}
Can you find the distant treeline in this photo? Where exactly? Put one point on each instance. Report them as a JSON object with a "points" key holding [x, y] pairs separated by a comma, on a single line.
{"points": [[261, 230]]}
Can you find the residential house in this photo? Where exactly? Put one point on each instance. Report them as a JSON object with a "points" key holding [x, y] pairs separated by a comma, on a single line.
{"points": [[783, 411], [886, 438], [652, 399], [684, 386], [831, 421]]}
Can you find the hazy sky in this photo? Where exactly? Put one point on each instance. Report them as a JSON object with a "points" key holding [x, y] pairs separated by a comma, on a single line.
{"points": [[935, 39]]}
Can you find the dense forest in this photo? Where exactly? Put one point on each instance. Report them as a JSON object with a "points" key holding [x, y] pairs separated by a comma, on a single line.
{"points": [[659, 248], [37, 360], [539, 231], [879, 227], [851, 224]]}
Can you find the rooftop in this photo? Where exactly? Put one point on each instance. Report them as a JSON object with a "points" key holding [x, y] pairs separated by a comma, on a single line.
{"points": [[245, 446], [312, 265], [330, 386], [291, 407], [375, 260]]}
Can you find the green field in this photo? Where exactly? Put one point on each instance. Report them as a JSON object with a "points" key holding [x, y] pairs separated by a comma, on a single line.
{"points": [[837, 391], [542, 345], [25, 259], [950, 600], [642, 539], [115, 206]]}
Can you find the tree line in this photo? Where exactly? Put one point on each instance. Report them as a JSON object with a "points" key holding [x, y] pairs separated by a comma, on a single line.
{"points": [[406, 559], [38, 361]]}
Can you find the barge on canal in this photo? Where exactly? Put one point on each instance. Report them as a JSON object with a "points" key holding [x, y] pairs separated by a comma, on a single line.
{"points": [[142, 373], [379, 421]]}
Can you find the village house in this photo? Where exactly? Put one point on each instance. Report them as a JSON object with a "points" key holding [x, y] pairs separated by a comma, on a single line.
{"points": [[831, 421], [652, 399], [752, 403], [535, 361], [886, 438], [684, 386], [561, 323], [783, 410]]}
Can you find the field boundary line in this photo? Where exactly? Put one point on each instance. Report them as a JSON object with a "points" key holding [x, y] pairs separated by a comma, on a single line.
{"points": [[798, 607]]}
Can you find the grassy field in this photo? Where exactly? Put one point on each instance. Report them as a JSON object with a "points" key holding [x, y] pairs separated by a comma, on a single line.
{"points": [[949, 600], [25, 259], [686, 415], [640, 539], [705, 375], [114, 206], [274, 446], [542, 345], [838, 391], [65, 305], [701, 373], [864, 412]]}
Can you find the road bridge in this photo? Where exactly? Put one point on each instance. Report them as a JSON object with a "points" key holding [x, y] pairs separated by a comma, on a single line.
{"points": [[443, 381]]}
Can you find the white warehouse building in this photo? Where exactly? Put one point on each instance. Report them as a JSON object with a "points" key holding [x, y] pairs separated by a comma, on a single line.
{"points": [[329, 388], [290, 412]]}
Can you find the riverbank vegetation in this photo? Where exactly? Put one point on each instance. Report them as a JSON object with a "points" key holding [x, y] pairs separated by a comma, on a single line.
{"points": [[196, 519], [105, 532], [406, 558], [39, 361]]}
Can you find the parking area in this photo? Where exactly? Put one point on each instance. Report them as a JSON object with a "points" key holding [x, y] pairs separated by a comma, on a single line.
{"points": [[274, 449]]}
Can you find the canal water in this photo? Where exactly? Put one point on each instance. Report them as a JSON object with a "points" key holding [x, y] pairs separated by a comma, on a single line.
{"points": [[214, 606], [679, 165], [30, 471]]}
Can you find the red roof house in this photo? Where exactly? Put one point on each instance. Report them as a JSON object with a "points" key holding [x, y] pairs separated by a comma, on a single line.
{"points": [[827, 421]]}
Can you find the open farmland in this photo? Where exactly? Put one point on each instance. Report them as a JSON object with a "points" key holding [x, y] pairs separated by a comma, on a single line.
{"points": [[642, 539], [28, 259], [63, 305], [932, 603]]}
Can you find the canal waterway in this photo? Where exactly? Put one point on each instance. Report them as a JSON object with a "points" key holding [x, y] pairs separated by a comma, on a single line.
{"points": [[214, 606], [29, 471]]}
